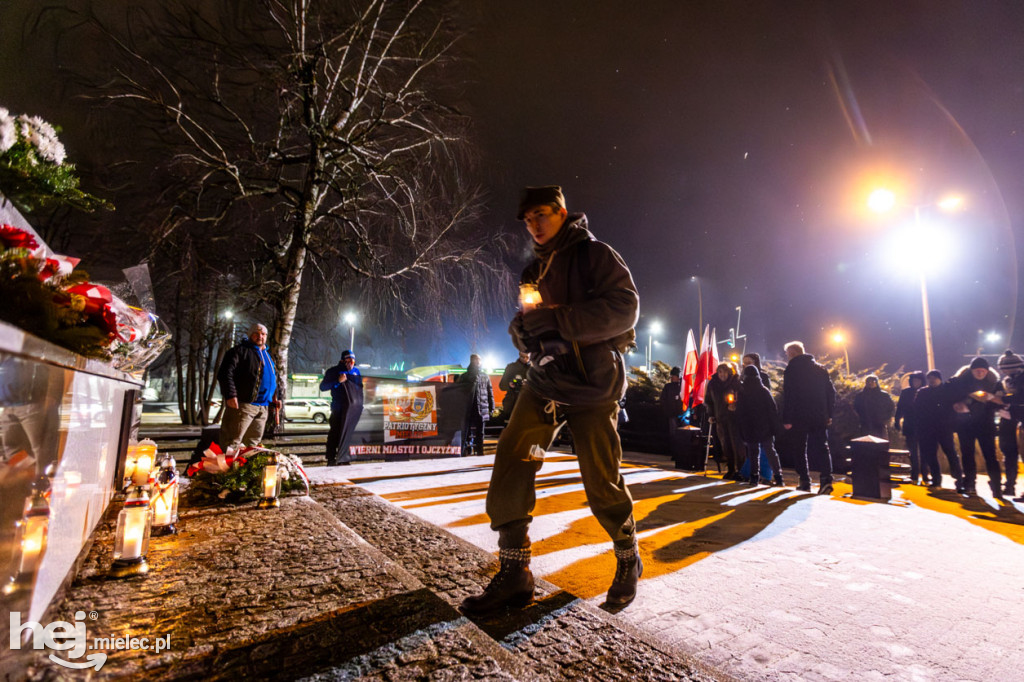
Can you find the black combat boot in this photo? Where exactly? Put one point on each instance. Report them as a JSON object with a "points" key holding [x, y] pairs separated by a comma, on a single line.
{"points": [[512, 586], [627, 573]]}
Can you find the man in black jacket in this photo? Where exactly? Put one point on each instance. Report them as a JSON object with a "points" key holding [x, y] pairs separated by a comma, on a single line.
{"points": [[1011, 366], [808, 401], [934, 422], [978, 395], [907, 424], [874, 409], [512, 381], [248, 384], [479, 408]]}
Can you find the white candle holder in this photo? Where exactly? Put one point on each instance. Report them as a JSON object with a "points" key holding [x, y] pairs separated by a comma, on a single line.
{"points": [[33, 530], [165, 498], [271, 486], [131, 542]]}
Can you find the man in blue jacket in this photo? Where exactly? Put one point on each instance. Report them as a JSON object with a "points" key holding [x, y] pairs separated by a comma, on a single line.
{"points": [[248, 384], [346, 386]]}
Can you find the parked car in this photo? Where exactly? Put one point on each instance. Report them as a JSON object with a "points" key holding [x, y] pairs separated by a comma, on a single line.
{"points": [[307, 408], [160, 413]]}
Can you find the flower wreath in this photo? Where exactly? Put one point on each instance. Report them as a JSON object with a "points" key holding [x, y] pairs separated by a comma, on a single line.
{"points": [[237, 475]]}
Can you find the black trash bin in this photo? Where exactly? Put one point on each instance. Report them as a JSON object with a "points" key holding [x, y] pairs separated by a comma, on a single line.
{"points": [[870, 459], [687, 448]]}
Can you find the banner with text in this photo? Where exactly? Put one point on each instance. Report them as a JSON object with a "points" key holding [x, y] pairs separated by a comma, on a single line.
{"points": [[410, 412]]}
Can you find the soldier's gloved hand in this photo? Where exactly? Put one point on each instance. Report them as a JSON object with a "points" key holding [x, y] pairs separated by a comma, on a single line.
{"points": [[539, 321], [521, 339]]}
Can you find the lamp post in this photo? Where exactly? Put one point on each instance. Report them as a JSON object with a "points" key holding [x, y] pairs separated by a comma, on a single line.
{"points": [[840, 339], [654, 330], [882, 201], [350, 319], [230, 317]]}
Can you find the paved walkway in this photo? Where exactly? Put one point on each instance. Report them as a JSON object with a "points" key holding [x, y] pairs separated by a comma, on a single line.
{"points": [[768, 583]]}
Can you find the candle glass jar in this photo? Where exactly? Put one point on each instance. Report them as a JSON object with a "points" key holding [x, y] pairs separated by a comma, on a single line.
{"points": [[271, 486], [131, 540], [33, 531], [529, 296], [165, 498]]}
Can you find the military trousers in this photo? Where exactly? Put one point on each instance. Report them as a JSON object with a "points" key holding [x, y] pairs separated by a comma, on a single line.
{"points": [[511, 496]]}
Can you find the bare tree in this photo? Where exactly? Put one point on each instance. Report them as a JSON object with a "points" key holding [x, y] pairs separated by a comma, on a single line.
{"points": [[326, 120]]}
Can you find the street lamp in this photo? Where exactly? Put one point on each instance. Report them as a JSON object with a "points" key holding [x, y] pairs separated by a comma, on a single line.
{"points": [[839, 339], [350, 319], [882, 201], [229, 315], [654, 329]]}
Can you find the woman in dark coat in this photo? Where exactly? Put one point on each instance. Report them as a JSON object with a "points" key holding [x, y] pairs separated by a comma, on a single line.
{"points": [[758, 420]]}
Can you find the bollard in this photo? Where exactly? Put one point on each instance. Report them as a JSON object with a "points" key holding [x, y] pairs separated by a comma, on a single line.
{"points": [[870, 457], [686, 448]]}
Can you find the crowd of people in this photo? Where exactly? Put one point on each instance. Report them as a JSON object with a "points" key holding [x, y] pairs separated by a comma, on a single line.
{"points": [[978, 404], [578, 309]]}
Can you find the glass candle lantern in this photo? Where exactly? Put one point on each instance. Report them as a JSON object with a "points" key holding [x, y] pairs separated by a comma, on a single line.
{"points": [[529, 296], [271, 486], [33, 529], [165, 498], [145, 457], [131, 542]]}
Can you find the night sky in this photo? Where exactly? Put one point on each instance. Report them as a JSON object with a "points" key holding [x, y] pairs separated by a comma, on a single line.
{"points": [[723, 140], [737, 142]]}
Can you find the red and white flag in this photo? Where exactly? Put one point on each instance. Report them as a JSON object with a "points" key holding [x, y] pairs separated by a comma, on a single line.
{"points": [[706, 363], [689, 369]]}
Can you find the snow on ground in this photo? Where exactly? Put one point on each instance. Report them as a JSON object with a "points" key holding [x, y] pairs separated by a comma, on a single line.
{"points": [[768, 583]]}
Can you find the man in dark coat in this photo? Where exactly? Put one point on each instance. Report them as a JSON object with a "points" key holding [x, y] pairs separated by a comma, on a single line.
{"points": [[874, 409], [808, 402], [479, 407], [977, 394], [758, 421], [512, 381], [934, 420], [248, 384], [671, 402], [905, 422], [1011, 366], [576, 336], [345, 383], [720, 398]]}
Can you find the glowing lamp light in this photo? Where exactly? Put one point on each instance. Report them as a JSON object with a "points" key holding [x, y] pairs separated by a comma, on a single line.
{"points": [[656, 327], [992, 337], [33, 529], [881, 200], [529, 296], [951, 202], [838, 337], [165, 498], [730, 398], [131, 540], [271, 487]]}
